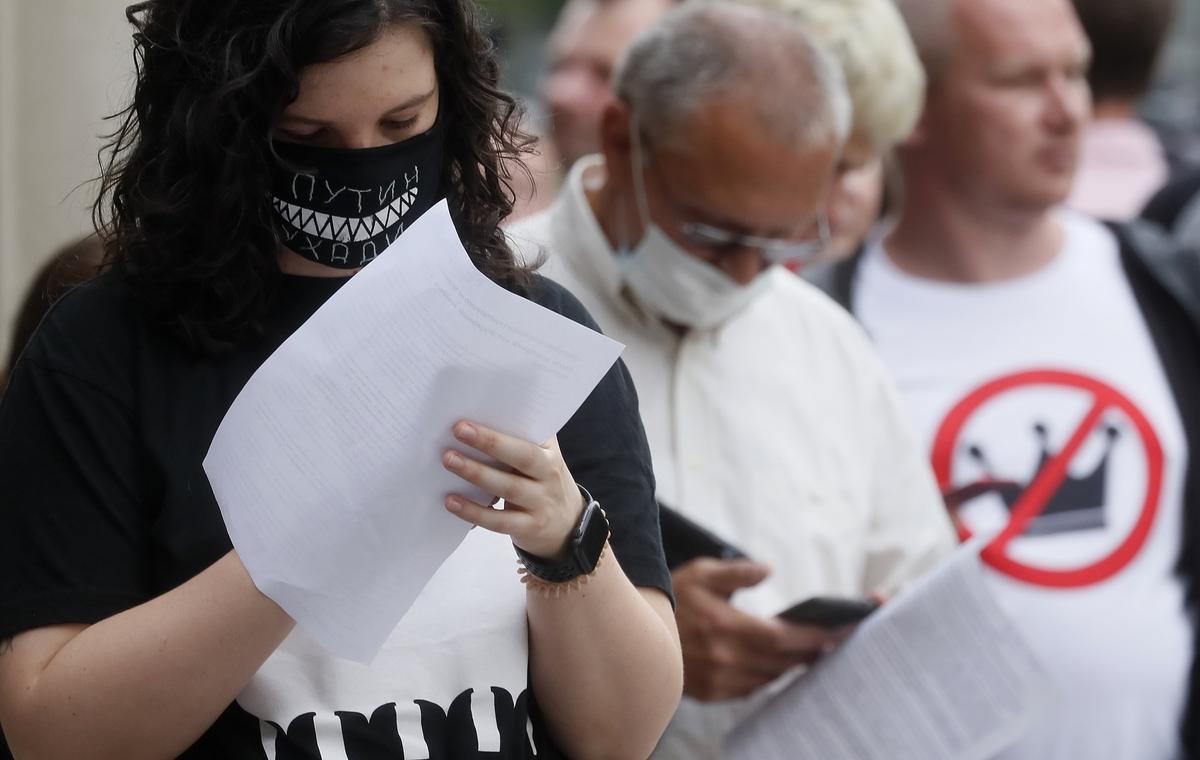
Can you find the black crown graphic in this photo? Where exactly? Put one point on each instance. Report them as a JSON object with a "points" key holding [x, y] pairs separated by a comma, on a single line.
{"points": [[1077, 505]]}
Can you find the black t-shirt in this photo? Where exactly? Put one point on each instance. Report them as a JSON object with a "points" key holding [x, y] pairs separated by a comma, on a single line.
{"points": [[105, 505]]}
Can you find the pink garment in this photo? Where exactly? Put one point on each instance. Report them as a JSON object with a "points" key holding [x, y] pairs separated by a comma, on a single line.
{"points": [[1121, 166]]}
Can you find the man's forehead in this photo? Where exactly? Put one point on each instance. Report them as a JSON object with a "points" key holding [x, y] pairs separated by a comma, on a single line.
{"points": [[603, 28], [1019, 32], [736, 170], [729, 125]]}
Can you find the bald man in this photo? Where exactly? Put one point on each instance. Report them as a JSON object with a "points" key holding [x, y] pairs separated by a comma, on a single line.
{"points": [[1052, 361]]}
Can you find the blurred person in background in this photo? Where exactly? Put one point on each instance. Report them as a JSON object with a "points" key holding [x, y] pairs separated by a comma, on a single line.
{"points": [[535, 176], [72, 265], [1172, 106], [886, 84], [1052, 361], [771, 423], [1122, 163], [583, 49], [1176, 208]]}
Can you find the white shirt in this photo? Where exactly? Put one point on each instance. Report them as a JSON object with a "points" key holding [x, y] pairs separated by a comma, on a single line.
{"points": [[993, 376], [778, 431], [439, 658]]}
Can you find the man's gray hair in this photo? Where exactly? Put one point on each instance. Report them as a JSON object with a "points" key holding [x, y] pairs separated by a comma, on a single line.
{"points": [[707, 50]]}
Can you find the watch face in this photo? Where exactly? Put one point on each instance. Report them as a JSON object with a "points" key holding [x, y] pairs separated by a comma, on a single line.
{"points": [[593, 533]]}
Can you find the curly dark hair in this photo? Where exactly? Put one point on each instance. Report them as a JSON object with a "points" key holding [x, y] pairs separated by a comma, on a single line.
{"points": [[184, 204]]}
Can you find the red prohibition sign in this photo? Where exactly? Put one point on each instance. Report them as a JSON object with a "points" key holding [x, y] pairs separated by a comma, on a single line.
{"points": [[1048, 480]]}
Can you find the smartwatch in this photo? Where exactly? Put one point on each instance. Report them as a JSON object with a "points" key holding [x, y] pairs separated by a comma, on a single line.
{"points": [[583, 549]]}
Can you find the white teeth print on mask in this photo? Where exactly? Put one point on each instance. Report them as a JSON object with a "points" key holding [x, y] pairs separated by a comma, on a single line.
{"points": [[346, 229], [671, 282], [344, 207]]}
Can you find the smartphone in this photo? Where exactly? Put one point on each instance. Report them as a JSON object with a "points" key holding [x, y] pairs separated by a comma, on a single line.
{"points": [[685, 540], [829, 612]]}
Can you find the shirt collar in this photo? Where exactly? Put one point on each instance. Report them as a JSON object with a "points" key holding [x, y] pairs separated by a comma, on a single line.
{"points": [[583, 240]]}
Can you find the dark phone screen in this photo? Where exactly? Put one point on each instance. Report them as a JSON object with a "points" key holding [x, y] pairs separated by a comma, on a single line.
{"points": [[829, 612]]}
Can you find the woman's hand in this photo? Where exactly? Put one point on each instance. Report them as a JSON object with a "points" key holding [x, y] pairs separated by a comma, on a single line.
{"points": [[542, 504]]}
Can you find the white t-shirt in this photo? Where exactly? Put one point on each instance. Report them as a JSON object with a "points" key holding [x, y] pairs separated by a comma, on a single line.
{"points": [[439, 661], [1050, 385], [779, 431]]}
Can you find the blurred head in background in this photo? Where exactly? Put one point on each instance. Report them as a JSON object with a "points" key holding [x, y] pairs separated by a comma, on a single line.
{"points": [[886, 85], [71, 265], [584, 47], [1127, 38], [1007, 102], [1123, 163]]}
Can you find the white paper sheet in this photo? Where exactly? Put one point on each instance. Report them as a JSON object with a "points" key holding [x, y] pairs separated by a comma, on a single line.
{"points": [[939, 673], [327, 467]]}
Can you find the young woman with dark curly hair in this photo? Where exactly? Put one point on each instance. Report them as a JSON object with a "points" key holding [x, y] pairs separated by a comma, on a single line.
{"points": [[129, 628]]}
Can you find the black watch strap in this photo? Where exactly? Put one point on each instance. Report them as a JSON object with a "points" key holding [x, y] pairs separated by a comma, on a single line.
{"points": [[583, 550]]}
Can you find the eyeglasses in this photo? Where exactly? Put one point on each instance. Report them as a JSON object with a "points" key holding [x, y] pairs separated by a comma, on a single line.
{"points": [[723, 242], [719, 242]]}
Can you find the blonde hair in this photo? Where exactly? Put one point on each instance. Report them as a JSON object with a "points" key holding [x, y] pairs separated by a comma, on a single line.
{"points": [[884, 76]]}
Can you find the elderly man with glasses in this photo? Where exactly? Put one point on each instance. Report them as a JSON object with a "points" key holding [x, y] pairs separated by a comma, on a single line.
{"points": [[771, 423]]}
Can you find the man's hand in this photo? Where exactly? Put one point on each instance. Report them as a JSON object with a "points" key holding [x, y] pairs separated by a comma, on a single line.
{"points": [[727, 653]]}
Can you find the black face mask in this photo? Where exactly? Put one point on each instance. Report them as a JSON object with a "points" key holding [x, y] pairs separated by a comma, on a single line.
{"points": [[343, 207]]}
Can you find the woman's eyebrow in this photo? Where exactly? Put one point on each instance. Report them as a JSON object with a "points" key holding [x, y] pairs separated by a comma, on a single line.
{"points": [[412, 102]]}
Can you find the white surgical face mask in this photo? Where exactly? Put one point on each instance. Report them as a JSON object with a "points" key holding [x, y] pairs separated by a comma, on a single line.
{"points": [[673, 283], [680, 287]]}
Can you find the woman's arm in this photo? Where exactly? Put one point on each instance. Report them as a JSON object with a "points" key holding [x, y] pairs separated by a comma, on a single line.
{"points": [[606, 662], [145, 683], [606, 665]]}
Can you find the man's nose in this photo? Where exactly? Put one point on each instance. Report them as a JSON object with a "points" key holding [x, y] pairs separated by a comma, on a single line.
{"points": [[743, 265], [567, 90], [1068, 103]]}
